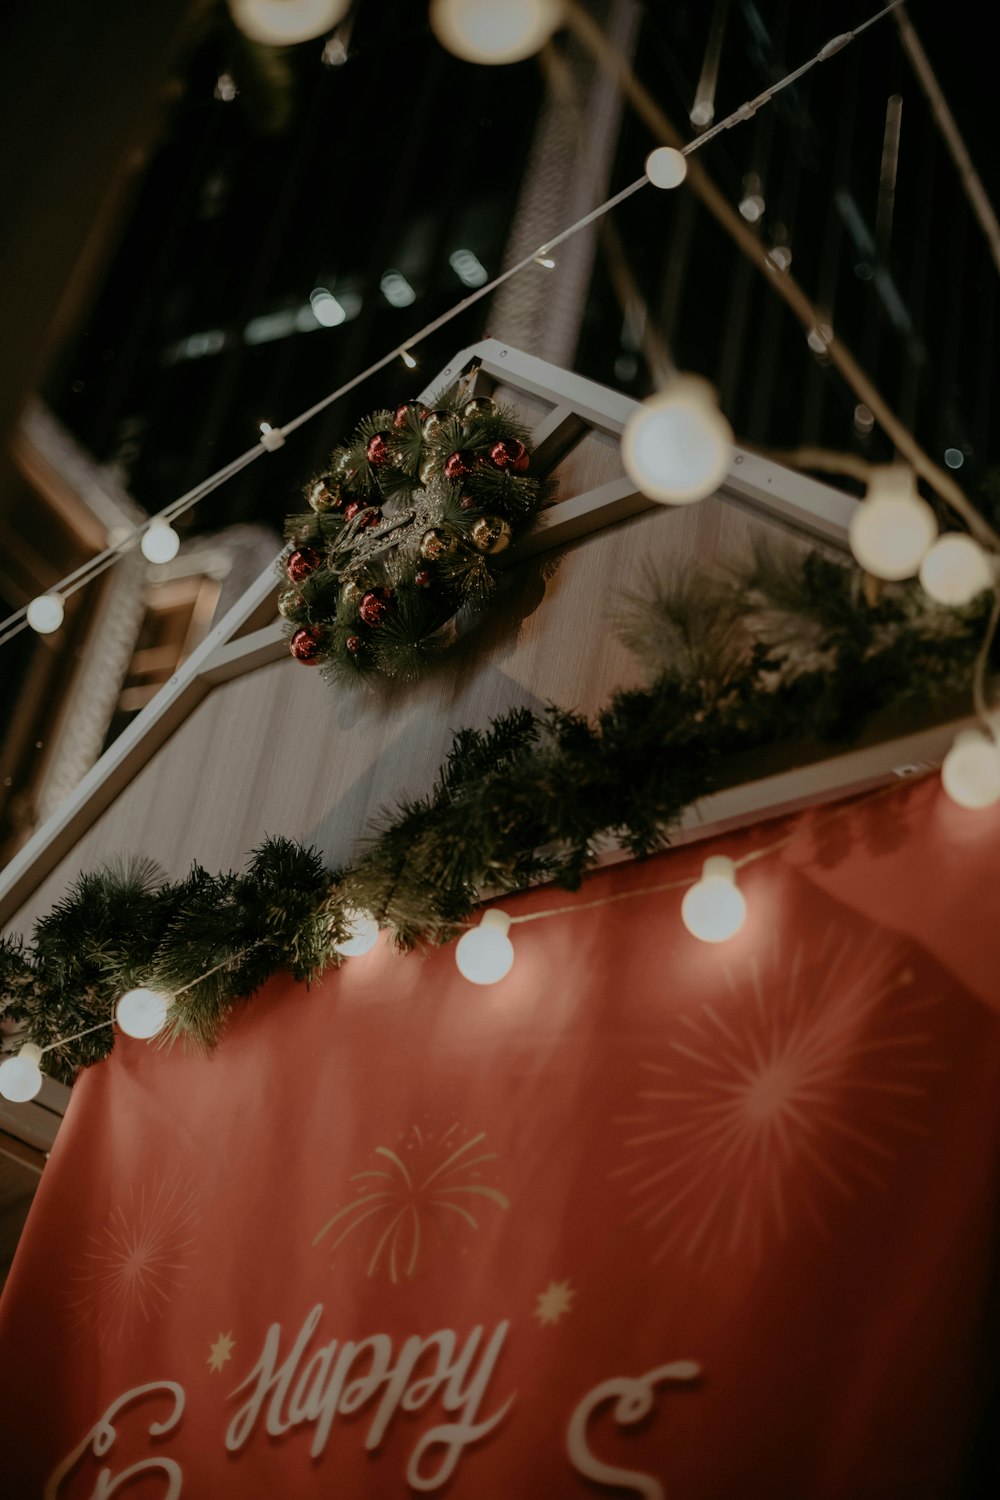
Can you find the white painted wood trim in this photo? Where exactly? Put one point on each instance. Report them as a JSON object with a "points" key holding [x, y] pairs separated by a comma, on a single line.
{"points": [[773, 489], [124, 758]]}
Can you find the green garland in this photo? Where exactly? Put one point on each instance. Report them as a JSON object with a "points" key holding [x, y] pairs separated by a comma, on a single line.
{"points": [[405, 529], [791, 648]]}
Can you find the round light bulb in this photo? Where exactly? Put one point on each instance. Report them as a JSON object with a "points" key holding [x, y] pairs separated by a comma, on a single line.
{"points": [[714, 909], [666, 167], [159, 542], [362, 937], [484, 955], [142, 1013], [955, 569], [677, 447], [892, 528], [970, 772], [494, 31], [20, 1076], [282, 23], [45, 613]]}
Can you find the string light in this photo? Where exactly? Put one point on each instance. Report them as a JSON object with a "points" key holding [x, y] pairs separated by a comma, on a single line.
{"points": [[485, 31], [142, 1013], [45, 613], [282, 23], [892, 528], [955, 569], [407, 359], [666, 167], [714, 910], [485, 954], [20, 1076], [678, 446], [362, 934], [274, 438], [160, 542], [970, 772]]}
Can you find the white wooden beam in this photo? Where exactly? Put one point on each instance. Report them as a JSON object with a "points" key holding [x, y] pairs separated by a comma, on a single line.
{"points": [[575, 404], [124, 758]]}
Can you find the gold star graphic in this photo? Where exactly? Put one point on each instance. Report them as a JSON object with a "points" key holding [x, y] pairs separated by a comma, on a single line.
{"points": [[222, 1350], [553, 1302]]}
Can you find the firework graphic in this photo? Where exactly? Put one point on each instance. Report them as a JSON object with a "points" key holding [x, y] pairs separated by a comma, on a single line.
{"points": [[131, 1266], [793, 1091], [428, 1187]]}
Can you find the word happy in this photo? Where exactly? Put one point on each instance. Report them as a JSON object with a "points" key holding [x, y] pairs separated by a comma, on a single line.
{"points": [[310, 1386], [334, 1380]]}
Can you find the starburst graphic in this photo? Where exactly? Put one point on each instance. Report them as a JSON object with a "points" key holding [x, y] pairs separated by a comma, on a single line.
{"points": [[431, 1184], [131, 1266], [556, 1300], [220, 1351], [792, 1091]]}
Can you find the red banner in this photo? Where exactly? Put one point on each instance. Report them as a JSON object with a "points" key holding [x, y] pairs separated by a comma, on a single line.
{"points": [[648, 1216]]}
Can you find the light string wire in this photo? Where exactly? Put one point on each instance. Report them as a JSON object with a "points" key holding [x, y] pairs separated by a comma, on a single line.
{"points": [[275, 437], [95, 566], [232, 958], [607, 56], [803, 826]]}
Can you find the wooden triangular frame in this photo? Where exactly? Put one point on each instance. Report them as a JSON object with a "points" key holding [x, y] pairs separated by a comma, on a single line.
{"points": [[250, 636]]}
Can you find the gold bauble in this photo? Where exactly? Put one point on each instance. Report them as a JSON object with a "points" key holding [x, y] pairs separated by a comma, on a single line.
{"points": [[439, 542], [428, 469], [323, 494], [479, 406], [351, 591], [433, 420], [289, 603], [490, 534]]}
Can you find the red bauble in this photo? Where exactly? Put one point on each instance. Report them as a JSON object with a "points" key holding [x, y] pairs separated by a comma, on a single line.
{"points": [[510, 454], [375, 605], [300, 563], [353, 644], [402, 413], [377, 450], [305, 644], [457, 465], [422, 578], [372, 514]]}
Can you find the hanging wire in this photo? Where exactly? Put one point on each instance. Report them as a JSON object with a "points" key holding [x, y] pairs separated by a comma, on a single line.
{"points": [[274, 437]]}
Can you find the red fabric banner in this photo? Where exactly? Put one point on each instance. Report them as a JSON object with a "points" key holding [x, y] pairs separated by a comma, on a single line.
{"points": [[648, 1217]]}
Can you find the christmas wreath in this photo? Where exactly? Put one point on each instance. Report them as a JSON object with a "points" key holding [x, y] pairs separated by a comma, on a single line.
{"points": [[404, 529]]}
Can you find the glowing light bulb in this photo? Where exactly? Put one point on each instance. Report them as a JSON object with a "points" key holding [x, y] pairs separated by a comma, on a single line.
{"points": [[282, 23], [485, 954], [714, 910], [494, 31], [970, 772], [666, 167], [142, 1013], [20, 1076], [407, 359], [45, 613], [362, 937], [160, 542], [892, 528], [678, 446], [955, 569]]}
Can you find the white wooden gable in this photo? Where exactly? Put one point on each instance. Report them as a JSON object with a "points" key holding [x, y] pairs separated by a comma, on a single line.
{"points": [[242, 741]]}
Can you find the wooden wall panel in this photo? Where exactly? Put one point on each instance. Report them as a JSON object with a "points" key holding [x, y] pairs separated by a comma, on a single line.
{"points": [[279, 751]]}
